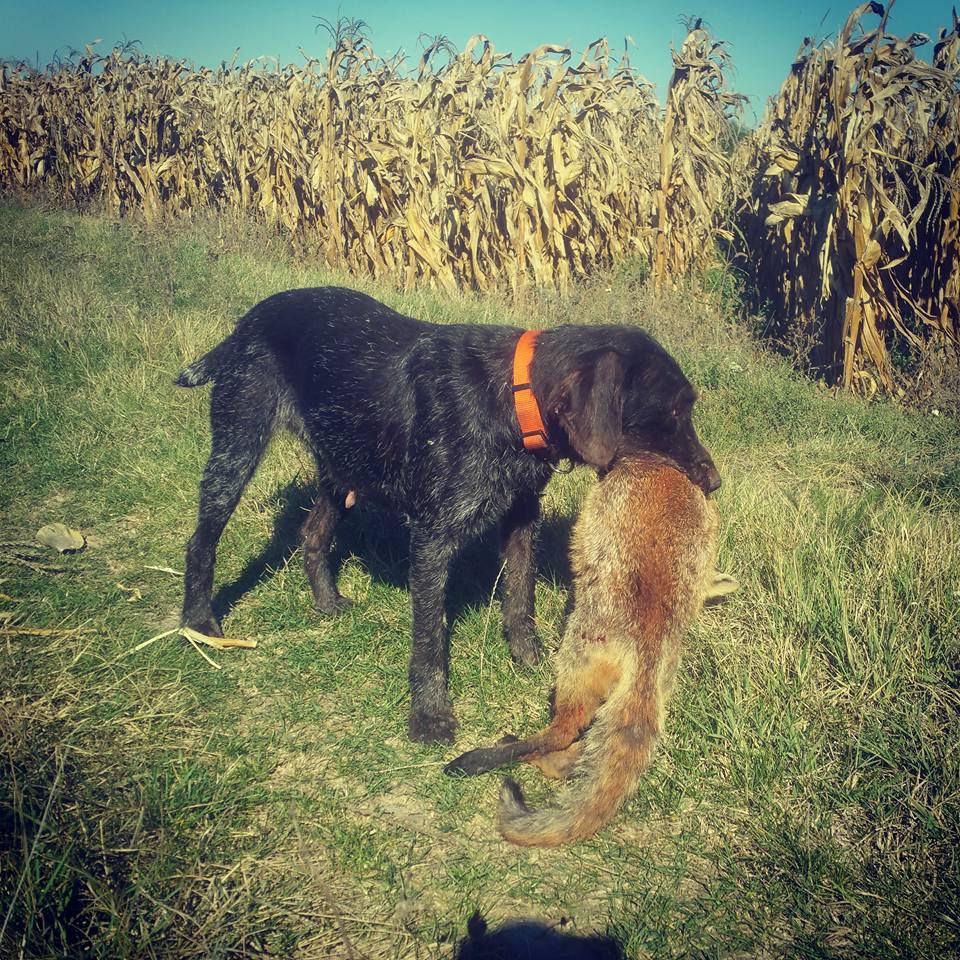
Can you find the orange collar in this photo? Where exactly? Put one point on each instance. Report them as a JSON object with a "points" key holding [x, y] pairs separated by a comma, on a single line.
{"points": [[532, 428]]}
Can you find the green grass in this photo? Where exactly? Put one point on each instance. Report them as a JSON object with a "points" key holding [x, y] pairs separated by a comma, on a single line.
{"points": [[805, 799]]}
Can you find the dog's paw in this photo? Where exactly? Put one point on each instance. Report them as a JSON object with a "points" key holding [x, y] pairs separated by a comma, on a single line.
{"points": [[526, 650], [334, 607], [209, 627], [437, 727]]}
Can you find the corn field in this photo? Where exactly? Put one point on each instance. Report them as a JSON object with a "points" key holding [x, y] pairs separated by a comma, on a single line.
{"points": [[469, 169], [851, 217], [474, 170]]}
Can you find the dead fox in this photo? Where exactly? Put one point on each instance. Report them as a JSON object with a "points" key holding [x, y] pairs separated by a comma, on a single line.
{"points": [[642, 554]]}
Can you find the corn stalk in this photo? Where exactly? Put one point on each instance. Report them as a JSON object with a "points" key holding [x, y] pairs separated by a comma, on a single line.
{"points": [[851, 221], [695, 175]]}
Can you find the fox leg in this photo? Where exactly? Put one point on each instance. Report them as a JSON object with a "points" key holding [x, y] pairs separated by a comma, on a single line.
{"points": [[559, 764], [558, 736], [578, 695]]}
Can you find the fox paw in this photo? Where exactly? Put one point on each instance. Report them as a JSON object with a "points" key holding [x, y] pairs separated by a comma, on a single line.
{"points": [[481, 760], [719, 585], [468, 764]]}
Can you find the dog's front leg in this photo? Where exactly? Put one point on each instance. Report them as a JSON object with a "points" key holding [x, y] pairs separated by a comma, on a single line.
{"points": [[518, 538], [431, 713]]}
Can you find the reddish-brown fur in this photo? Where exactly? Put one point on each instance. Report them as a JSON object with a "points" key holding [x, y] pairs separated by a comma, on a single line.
{"points": [[642, 554]]}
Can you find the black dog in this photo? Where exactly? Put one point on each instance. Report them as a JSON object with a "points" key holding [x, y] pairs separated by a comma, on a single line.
{"points": [[421, 417]]}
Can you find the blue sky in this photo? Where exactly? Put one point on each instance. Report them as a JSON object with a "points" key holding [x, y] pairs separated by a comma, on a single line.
{"points": [[763, 36]]}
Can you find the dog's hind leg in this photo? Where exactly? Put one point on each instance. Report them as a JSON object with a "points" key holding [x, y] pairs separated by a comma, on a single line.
{"points": [[317, 532], [242, 412], [518, 535]]}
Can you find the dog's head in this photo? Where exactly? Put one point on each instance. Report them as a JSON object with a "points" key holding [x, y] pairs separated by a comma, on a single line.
{"points": [[630, 397]]}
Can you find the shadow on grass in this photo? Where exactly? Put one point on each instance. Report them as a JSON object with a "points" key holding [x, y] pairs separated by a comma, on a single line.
{"points": [[380, 541], [532, 940]]}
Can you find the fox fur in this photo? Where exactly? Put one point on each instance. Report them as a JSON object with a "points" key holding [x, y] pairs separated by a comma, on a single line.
{"points": [[642, 553]]}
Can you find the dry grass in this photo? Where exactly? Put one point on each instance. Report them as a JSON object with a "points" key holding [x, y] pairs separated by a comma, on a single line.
{"points": [[806, 800], [694, 182]]}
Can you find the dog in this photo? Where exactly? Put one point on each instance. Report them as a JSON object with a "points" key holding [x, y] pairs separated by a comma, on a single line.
{"points": [[642, 554], [423, 418]]}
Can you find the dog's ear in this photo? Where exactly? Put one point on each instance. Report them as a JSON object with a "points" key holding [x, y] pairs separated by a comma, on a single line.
{"points": [[590, 407]]}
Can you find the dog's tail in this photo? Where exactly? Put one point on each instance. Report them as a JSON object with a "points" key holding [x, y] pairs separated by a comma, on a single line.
{"points": [[205, 369], [616, 750]]}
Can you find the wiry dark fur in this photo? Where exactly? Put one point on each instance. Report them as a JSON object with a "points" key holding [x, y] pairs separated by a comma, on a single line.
{"points": [[420, 417]]}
